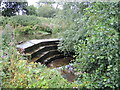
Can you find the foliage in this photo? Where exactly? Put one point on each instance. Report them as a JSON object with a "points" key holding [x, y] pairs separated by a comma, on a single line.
{"points": [[11, 8], [90, 30], [76, 26], [99, 58], [24, 30], [34, 76], [31, 10], [3, 21], [36, 29], [24, 20], [27, 24], [46, 11], [94, 38], [97, 54]]}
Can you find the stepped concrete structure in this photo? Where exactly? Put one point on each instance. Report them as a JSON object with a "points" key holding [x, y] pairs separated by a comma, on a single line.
{"points": [[42, 50]]}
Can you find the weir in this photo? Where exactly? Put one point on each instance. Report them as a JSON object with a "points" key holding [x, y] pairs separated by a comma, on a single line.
{"points": [[45, 51], [41, 50]]}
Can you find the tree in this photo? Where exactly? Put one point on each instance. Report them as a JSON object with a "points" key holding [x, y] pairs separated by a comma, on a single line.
{"points": [[0, 2], [46, 11], [0, 6], [12, 8], [31, 10]]}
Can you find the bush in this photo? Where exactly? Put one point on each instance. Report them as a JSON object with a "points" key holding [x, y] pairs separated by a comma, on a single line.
{"points": [[24, 30], [76, 26], [24, 20], [32, 75], [3, 20], [36, 29], [31, 10], [97, 55], [95, 43], [27, 24], [99, 58]]}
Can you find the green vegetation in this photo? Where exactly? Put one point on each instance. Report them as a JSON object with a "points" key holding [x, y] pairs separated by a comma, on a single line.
{"points": [[46, 11], [89, 30], [25, 24], [31, 10], [95, 43]]}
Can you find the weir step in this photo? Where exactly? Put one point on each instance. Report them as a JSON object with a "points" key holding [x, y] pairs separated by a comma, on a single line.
{"points": [[45, 55], [40, 50], [35, 44]]}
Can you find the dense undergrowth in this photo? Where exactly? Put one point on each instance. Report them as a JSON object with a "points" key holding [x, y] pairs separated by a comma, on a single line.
{"points": [[95, 42]]}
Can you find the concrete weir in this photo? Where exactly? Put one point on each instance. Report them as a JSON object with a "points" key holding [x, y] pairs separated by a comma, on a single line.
{"points": [[42, 50], [45, 51]]}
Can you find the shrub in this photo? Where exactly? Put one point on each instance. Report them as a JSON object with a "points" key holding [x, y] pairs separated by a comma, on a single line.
{"points": [[24, 20], [76, 26], [31, 10], [32, 75], [94, 39], [3, 20], [97, 55], [27, 24]]}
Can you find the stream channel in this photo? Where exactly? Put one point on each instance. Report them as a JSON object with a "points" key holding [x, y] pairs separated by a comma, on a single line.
{"points": [[68, 72]]}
